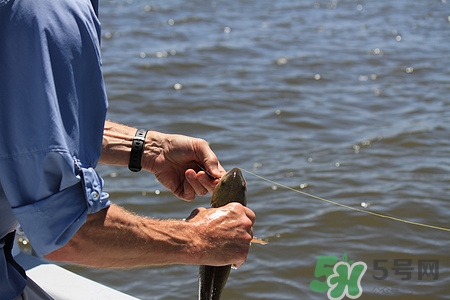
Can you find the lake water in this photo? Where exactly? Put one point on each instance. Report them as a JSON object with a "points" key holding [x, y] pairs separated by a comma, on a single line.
{"points": [[345, 100]]}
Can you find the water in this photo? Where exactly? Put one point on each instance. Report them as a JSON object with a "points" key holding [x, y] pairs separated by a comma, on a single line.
{"points": [[346, 100]]}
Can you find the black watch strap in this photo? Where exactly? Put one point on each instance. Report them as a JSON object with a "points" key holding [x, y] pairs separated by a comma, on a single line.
{"points": [[137, 149]]}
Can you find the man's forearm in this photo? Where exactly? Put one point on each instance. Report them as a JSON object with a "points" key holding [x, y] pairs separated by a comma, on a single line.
{"points": [[116, 238], [116, 145], [117, 141]]}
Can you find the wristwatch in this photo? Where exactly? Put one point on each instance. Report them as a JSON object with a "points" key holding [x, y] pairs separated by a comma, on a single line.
{"points": [[137, 148]]}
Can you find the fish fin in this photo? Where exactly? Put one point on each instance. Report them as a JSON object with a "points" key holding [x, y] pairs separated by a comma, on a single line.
{"points": [[255, 240]]}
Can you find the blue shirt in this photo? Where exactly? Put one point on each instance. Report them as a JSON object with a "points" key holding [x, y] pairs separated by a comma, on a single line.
{"points": [[52, 112]]}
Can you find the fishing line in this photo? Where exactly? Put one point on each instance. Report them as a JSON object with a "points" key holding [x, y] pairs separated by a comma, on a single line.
{"points": [[348, 207]]}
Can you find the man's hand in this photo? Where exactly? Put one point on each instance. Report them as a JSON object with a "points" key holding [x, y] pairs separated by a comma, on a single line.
{"points": [[225, 232], [174, 159]]}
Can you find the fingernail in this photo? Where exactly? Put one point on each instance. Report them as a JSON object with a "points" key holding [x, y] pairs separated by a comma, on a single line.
{"points": [[216, 173]]}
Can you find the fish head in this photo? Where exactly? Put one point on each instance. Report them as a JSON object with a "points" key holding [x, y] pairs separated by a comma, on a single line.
{"points": [[231, 188]]}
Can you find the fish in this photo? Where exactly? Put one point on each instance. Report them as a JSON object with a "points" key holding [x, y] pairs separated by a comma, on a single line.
{"points": [[231, 188]]}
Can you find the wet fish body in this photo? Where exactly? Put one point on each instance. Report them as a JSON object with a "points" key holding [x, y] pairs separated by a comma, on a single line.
{"points": [[231, 188]]}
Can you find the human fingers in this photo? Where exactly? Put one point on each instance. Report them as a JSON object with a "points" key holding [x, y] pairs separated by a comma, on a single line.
{"points": [[250, 214], [225, 233], [198, 187], [247, 211], [246, 215], [208, 158], [213, 167], [206, 181], [250, 218]]}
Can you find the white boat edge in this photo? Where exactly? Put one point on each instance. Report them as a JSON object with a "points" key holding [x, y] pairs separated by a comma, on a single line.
{"points": [[63, 284]]}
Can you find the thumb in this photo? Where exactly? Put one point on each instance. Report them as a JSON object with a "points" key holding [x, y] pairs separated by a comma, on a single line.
{"points": [[214, 168]]}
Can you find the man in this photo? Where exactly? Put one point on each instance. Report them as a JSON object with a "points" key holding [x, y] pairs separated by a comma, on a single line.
{"points": [[52, 135]]}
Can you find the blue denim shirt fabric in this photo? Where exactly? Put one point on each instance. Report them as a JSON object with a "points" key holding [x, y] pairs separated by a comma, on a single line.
{"points": [[52, 112]]}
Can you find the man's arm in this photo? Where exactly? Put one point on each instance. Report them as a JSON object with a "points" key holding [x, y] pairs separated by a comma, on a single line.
{"points": [[172, 158], [116, 238]]}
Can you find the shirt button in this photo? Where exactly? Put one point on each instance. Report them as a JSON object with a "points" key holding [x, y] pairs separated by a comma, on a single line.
{"points": [[95, 196]]}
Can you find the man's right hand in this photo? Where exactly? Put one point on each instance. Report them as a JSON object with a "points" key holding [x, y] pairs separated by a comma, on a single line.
{"points": [[224, 233]]}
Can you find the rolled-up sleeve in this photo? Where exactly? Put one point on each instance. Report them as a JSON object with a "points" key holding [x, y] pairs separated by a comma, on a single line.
{"points": [[53, 196]]}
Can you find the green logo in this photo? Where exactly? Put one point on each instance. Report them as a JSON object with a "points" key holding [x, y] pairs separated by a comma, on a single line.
{"points": [[342, 278]]}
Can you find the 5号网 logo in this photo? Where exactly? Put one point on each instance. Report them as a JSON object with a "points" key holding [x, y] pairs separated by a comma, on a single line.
{"points": [[342, 278]]}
